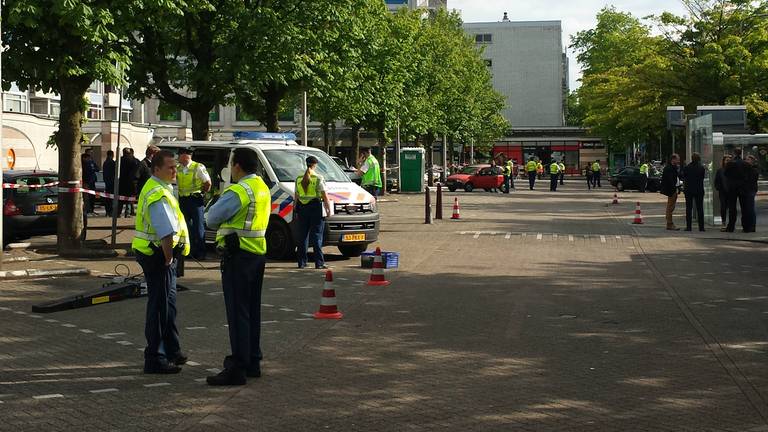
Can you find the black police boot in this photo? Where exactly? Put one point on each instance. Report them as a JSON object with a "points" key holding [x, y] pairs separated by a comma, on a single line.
{"points": [[161, 368], [227, 377], [253, 372], [178, 359]]}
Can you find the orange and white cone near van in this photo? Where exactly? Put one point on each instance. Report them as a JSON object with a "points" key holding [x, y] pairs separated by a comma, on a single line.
{"points": [[377, 272], [328, 308], [638, 215], [456, 214], [615, 198]]}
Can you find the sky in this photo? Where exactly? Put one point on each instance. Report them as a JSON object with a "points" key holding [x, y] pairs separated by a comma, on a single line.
{"points": [[576, 15]]}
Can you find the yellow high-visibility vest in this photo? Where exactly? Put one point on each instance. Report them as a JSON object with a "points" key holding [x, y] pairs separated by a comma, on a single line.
{"points": [[251, 220], [146, 235], [188, 182], [554, 168], [531, 166], [305, 196]]}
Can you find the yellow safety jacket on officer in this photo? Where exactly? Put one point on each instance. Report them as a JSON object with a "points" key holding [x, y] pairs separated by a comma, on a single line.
{"points": [[531, 166], [507, 169], [145, 235], [561, 166], [187, 180], [595, 167], [644, 169], [554, 168], [305, 196], [250, 221]]}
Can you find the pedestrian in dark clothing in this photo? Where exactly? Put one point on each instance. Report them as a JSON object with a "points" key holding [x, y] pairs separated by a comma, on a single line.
{"points": [[89, 179], [753, 174], [722, 192], [736, 173], [588, 173], [143, 171], [127, 181], [108, 168], [669, 181], [693, 187]]}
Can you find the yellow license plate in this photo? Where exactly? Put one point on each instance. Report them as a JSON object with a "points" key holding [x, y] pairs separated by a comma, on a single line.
{"points": [[47, 208], [353, 237]]}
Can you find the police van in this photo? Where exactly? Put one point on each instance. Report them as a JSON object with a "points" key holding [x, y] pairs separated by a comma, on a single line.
{"points": [[354, 222]]}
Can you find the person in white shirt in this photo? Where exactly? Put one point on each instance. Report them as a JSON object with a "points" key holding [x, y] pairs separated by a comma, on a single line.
{"points": [[193, 182]]}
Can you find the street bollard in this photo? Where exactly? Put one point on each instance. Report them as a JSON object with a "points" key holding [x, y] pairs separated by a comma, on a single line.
{"points": [[439, 202], [427, 206]]}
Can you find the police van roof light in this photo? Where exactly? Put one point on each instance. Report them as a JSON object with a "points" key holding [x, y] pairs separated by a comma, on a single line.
{"points": [[264, 135]]}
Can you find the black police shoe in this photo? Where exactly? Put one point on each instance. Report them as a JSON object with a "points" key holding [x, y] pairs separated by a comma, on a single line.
{"points": [[179, 359], [161, 368], [253, 372], [227, 377]]}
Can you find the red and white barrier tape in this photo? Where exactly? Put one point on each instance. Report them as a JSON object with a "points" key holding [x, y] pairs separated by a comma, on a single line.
{"points": [[23, 186], [97, 194]]}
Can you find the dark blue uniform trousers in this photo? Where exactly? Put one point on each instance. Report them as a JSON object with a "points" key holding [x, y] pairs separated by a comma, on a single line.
{"points": [[160, 326], [242, 276], [192, 207], [531, 179], [311, 230]]}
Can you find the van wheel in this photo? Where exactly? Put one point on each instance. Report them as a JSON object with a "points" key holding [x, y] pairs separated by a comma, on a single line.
{"points": [[351, 251], [452, 188], [620, 186], [468, 187], [280, 243]]}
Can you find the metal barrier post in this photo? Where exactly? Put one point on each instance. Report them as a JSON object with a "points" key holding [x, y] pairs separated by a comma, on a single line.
{"points": [[427, 206], [439, 202]]}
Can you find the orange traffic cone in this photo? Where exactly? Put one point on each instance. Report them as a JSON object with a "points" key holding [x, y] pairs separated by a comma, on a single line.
{"points": [[377, 273], [615, 198], [638, 215], [328, 308], [456, 208]]}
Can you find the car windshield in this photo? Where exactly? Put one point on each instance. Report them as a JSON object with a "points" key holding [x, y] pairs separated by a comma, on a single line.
{"points": [[35, 181], [289, 164]]}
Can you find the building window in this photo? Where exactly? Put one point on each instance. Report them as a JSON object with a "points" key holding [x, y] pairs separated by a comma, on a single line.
{"points": [[241, 115], [126, 115], [484, 38], [95, 112], [169, 113], [214, 114], [55, 109], [95, 87], [16, 102], [38, 107]]}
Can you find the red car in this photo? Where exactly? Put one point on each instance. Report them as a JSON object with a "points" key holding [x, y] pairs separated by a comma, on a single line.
{"points": [[475, 177]]}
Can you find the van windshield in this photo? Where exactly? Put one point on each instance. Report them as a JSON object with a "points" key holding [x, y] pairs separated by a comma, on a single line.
{"points": [[289, 164]]}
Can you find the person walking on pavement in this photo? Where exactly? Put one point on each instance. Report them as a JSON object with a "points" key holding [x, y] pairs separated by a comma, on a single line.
{"points": [[143, 169], [494, 171], [108, 168], [693, 187], [193, 182], [669, 182], [588, 174], [722, 192], [596, 174], [554, 175], [531, 168], [561, 166], [241, 216], [161, 238], [126, 184], [644, 176], [540, 170], [753, 175], [370, 172], [736, 173], [310, 200], [90, 168], [513, 168], [507, 176]]}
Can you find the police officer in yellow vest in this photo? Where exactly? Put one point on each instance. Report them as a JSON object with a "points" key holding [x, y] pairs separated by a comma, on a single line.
{"points": [[310, 199], [508, 176], [596, 174], [561, 165], [554, 175], [531, 168], [370, 172], [241, 216], [193, 182], [644, 168], [161, 238]]}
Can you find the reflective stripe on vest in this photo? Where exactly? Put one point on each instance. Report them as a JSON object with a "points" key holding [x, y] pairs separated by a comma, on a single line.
{"points": [[250, 222], [145, 234], [372, 177], [188, 182], [305, 196]]}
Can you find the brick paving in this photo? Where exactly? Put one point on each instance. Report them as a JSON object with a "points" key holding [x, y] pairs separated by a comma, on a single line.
{"points": [[477, 332]]}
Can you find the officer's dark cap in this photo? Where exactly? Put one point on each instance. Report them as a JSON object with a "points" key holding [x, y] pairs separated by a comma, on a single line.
{"points": [[185, 150]]}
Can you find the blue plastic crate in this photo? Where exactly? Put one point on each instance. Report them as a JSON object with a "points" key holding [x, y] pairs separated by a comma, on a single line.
{"points": [[391, 259]]}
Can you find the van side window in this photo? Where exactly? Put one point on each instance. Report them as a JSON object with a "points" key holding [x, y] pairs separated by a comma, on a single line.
{"points": [[214, 160]]}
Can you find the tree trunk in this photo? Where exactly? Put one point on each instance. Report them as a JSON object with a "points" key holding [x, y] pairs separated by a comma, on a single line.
{"points": [[326, 140], [383, 160], [356, 143], [333, 138], [68, 137], [428, 141], [273, 94], [450, 152], [200, 119]]}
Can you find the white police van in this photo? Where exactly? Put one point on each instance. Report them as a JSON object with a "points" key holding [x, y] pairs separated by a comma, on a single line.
{"points": [[355, 220]]}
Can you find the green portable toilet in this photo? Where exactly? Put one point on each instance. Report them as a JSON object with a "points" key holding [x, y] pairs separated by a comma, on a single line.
{"points": [[411, 169]]}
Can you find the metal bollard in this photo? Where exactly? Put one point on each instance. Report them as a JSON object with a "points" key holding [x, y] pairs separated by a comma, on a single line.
{"points": [[427, 206], [439, 202]]}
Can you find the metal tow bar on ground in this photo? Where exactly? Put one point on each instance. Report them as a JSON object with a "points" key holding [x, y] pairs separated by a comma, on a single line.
{"points": [[439, 202], [427, 206]]}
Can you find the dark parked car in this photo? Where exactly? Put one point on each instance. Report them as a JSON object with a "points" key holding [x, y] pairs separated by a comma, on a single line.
{"points": [[630, 178], [29, 210]]}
